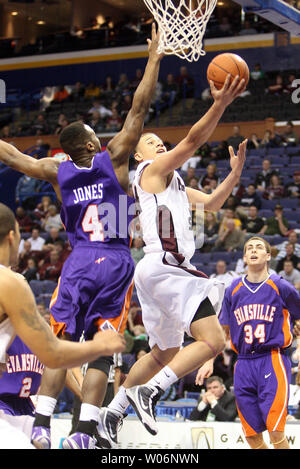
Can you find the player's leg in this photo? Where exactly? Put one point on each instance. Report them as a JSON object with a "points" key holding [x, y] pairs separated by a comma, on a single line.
{"points": [[257, 442], [141, 372], [279, 440], [93, 393], [52, 384]]}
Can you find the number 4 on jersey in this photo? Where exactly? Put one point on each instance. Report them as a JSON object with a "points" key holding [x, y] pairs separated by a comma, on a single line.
{"points": [[91, 224]]}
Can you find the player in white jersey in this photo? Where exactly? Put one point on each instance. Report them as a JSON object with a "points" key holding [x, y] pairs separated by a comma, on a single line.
{"points": [[175, 297], [19, 316]]}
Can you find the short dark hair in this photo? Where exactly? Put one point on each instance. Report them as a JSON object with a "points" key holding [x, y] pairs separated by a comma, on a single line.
{"points": [[7, 221], [73, 138], [211, 379]]}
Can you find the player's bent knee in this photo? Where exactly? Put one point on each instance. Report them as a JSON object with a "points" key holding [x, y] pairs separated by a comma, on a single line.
{"points": [[255, 441]]}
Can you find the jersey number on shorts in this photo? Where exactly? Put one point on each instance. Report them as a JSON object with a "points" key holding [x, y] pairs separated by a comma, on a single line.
{"points": [[259, 333], [91, 224], [25, 390]]}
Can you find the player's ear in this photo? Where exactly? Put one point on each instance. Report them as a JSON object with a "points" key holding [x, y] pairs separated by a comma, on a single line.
{"points": [[90, 146], [138, 157]]}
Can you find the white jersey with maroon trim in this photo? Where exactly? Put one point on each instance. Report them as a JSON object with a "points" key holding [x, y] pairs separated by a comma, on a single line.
{"points": [[165, 217]]}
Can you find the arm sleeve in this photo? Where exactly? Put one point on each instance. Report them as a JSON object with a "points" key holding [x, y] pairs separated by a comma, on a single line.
{"points": [[291, 298], [225, 310]]}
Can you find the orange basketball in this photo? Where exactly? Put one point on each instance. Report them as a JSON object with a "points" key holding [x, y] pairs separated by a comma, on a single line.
{"points": [[223, 64]]}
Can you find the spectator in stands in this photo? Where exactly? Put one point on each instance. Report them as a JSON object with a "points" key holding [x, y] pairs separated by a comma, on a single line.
{"points": [[36, 241], [292, 189], [190, 173], [293, 239], [108, 88], [24, 254], [6, 132], [217, 403], [291, 85], [51, 270], [275, 189], [30, 272], [289, 137], [222, 274], [290, 274], [269, 140], [194, 184], [62, 250], [92, 91], [24, 220], [229, 214], [253, 224], [41, 307], [231, 202], [122, 85], [253, 142], [137, 251], [114, 122], [77, 93], [26, 189], [221, 150], [247, 29], [277, 88], [60, 95], [250, 197], [230, 239], [211, 228], [211, 174], [52, 219], [263, 177], [98, 106], [51, 239], [257, 73], [62, 122], [170, 90], [186, 83], [125, 105], [96, 122], [276, 225], [40, 125], [236, 138], [136, 80], [225, 27], [42, 208], [290, 256]]}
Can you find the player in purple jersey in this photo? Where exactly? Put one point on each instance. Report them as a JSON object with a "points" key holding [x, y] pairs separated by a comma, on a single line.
{"points": [[21, 380], [257, 314], [96, 281]]}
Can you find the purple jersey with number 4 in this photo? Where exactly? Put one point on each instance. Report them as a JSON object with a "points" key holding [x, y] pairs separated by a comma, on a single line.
{"points": [[260, 315], [95, 209], [21, 380]]}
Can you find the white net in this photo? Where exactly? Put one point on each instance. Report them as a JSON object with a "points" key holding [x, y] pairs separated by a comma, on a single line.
{"points": [[182, 24]]}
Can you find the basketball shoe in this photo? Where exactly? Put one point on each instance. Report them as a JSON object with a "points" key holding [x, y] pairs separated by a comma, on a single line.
{"points": [[79, 441], [108, 426], [143, 399], [41, 438]]}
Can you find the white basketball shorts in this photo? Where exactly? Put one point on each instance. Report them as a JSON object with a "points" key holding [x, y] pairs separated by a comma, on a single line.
{"points": [[170, 295]]}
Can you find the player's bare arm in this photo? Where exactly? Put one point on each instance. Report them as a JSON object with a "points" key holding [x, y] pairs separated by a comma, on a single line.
{"points": [[215, 201], [18, 302], [45, 169], [199, 133], [123, 144]]}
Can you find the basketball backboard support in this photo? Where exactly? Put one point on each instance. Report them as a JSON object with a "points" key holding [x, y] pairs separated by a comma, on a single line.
{"points": [[275, 11]]}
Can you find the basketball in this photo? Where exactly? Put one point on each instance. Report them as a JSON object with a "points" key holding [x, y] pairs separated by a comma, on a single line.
{"points": [[226, 63]]}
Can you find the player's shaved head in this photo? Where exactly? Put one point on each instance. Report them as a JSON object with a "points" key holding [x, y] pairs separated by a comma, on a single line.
{"points": [[74, 140], [7, 221]]}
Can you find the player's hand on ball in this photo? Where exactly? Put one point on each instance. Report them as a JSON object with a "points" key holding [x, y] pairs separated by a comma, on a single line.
{"points": [[229, 92], [109, 342]]}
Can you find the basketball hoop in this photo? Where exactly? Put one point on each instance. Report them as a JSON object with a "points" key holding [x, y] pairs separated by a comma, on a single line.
{"points": [[182, 24]]}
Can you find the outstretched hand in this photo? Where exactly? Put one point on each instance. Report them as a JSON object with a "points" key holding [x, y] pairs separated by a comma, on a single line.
{"points": [[237, 161], [153, 44], [229, 92]]}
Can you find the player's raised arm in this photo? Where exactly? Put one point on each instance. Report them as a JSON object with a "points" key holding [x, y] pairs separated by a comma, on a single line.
{"points": [[201, 131], [123, 144], [217, 198], [17, 302], [45, 169]]}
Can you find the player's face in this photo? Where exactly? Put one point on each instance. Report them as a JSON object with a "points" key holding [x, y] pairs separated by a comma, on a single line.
{"points": [[150, 147], [256, 254]]}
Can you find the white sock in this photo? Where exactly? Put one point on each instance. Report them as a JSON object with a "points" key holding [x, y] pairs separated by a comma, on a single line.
{"points": [[89, 412], [164, 378], [45, 405], [120, 401]]}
